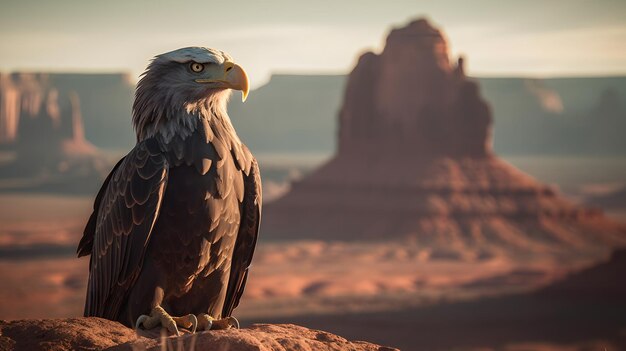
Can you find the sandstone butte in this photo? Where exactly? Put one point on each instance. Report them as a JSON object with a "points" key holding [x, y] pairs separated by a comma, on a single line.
{"points": [[415, 163], [101, 334], [44, 127]]}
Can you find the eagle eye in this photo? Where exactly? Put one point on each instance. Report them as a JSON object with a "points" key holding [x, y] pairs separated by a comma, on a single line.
{"points": [[196, 67]]}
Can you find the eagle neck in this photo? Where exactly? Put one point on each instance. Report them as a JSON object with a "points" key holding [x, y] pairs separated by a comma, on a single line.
{"points": [[208, 118], [182, 122]]}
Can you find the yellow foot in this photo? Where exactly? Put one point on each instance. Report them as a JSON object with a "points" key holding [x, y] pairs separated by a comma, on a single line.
{"points": [[206, 322], [158, 316]]}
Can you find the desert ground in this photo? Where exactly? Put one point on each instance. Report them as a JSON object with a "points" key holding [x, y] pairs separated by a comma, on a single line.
{"points": [[393, 293], [390, 293], [301, 278]]}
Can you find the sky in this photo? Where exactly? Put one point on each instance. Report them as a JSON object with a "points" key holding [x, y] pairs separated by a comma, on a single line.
{"points": [[498, 38]]}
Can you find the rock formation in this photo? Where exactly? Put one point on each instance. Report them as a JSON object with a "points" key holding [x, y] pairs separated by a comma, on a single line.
{"points": [[414, 163], [101, 334], [63, 334], [603, 282], [9, 109], [44, 130], [410, 100]]}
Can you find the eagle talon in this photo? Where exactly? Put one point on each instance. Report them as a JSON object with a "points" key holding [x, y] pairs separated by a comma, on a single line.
{"points": [[232, 322], [170, 325], [205, 322], [158, 316], [188, 322], [141, 320]]}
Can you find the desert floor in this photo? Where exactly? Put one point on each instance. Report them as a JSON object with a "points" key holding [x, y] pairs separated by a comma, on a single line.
{"points": [[392, 293]]}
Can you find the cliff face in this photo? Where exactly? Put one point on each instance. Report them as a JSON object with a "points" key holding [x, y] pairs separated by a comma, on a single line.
{"points": [[106, 100], [43, 127], [9, 109], [411, 100], [415, 164]]}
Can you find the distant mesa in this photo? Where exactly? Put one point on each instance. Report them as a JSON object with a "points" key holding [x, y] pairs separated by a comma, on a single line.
{"points": [[42, 130], [614, 200], [549, 100], [415, 163], [576, 116]]}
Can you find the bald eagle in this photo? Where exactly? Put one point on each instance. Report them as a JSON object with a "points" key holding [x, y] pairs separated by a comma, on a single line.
{"points": [[175, 223]]}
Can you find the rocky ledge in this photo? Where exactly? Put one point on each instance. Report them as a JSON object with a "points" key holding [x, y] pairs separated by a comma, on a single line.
{"points": [[101, 334]]}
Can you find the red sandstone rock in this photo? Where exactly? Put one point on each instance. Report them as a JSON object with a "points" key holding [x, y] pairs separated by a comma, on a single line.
{"points": [[101, 334], [414, 163], [602, 282], [45, 130], [63, 334], [411, 100], [259, 337]]}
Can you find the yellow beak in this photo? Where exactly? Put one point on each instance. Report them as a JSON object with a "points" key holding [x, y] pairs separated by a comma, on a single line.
{"points": [[234, 78]]}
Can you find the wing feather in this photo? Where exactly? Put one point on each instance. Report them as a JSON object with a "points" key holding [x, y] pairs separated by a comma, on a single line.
{"points": [[125, 209], [246, 238]]}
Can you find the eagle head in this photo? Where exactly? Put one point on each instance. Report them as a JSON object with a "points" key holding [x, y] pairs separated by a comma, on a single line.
{"points": [[181, 85]]}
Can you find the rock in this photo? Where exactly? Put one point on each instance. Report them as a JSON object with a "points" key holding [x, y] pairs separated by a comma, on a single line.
{"points": [[9, 109], [411, 100], [63, 334], [106, 100], [601, 282], [259, 337], [44, 129], [612, 199], [415, 164], [101, 334]]}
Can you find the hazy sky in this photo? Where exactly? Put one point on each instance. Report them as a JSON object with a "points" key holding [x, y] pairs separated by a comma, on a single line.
{"points": [[538, 38]]}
